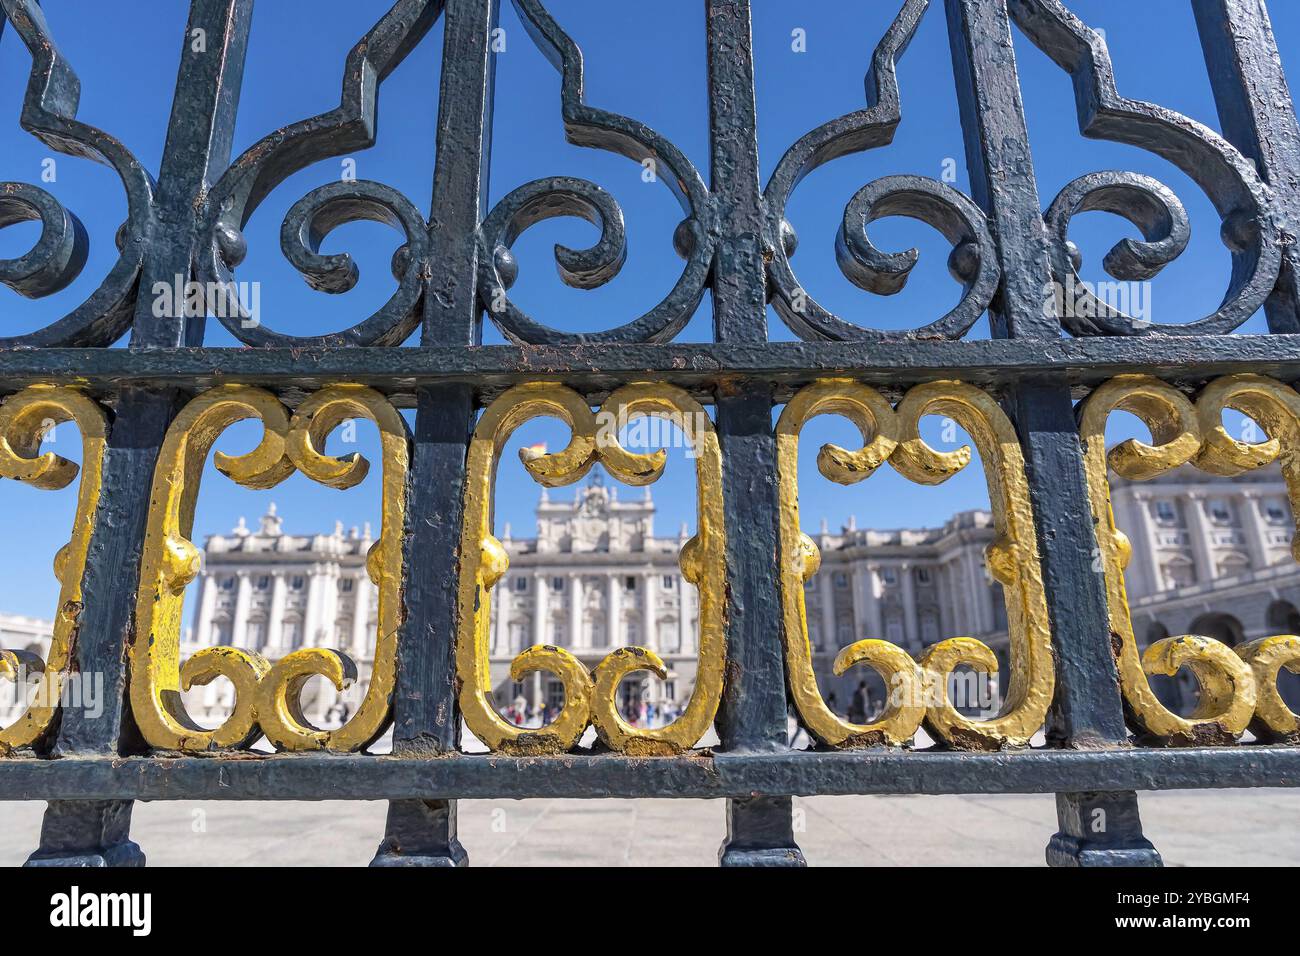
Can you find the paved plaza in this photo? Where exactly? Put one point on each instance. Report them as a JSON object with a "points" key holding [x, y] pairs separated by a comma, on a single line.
{"points": [[1201, 828]]}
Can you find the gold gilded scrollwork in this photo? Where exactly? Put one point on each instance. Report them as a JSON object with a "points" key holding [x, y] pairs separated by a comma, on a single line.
{"points": [[800, 560], [25, 419], [589, 698], [1238, 686], [1277, 408], [266, 697], [918, 692], [278, 694]]}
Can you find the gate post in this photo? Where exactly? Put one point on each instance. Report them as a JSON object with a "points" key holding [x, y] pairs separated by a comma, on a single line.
{"points": [[426, 719], [752, 717], [1087, 711], [199, 132]]}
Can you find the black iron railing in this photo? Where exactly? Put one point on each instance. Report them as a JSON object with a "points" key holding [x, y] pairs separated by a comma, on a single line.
{"points": [[149, 412]]}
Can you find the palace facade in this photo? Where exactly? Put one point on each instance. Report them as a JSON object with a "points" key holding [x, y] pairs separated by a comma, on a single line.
{"points": [[1210, 556]]}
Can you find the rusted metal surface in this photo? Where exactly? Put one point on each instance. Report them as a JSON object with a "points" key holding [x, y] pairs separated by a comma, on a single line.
{"points": [[149, 412]]}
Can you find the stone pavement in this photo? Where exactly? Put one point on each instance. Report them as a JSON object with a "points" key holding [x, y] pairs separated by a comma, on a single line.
{"points": [[1250, 828]]}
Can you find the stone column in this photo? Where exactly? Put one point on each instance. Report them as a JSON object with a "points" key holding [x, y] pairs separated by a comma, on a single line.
{"points": [[207, 601], [613, 625], [650, 626], [243, 598], [907, 581], [501, 595], [685, 636], [862, 600], [275, 620], [540, 605], [875, 622], [1252, 527], [826, 593], [329, 617], [360, 615], [1199, 527], [311, 622], [575, 611], [1143, 540], [981, 598]]}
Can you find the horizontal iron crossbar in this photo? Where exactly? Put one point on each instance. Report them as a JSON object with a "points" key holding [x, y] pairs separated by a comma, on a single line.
{"points": [[597, 366], [697, 775]]}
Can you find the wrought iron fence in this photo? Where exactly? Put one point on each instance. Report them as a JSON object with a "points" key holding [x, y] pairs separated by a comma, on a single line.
{"points": [[149, 413]]}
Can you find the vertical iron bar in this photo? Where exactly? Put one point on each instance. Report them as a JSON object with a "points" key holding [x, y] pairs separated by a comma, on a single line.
{"points": [[96, 833], [752, 716], [426, 718], [1258, 117], [1087, 710], [199, 137]]}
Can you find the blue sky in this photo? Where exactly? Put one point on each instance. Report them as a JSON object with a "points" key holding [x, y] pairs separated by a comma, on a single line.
{"points": [[648, 63]]}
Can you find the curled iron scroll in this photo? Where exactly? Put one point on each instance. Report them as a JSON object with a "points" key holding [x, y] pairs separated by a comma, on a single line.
{"points": [[588, 698], [973, 261], [266, 695], [24, 421], [49, 113], [919, 690], [349, 126], [1249, 229], [1238, 685], [563, 196], [1228, 690]]}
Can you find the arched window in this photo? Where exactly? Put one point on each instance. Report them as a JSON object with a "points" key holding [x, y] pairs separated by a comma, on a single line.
{"points": [[669, 636], [1283, 618], [1220, 626], [1232, 564], [1177, 572]]}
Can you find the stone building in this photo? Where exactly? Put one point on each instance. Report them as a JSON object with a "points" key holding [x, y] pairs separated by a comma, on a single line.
{"points": [[1210, 556]]}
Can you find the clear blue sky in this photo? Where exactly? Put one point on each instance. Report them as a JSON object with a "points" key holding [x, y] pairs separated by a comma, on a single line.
{"points": [[648, 63]]}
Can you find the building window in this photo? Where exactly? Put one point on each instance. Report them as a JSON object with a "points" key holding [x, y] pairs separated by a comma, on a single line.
{"points": [[841, 580], [521, 584], [889, 575], [633, 632], [670, 582], [1166, 513], [844, 632], [1219, 511], [669, 637], [629, 583], [255, 634], [670, 690], [929, 629], [894, 632], [264, 583], [297, 583], [227, 584], [1178, 574], [557, 584], [1275, 511], [554, 695], [923, 575], [345, 585], [292, 634]]}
